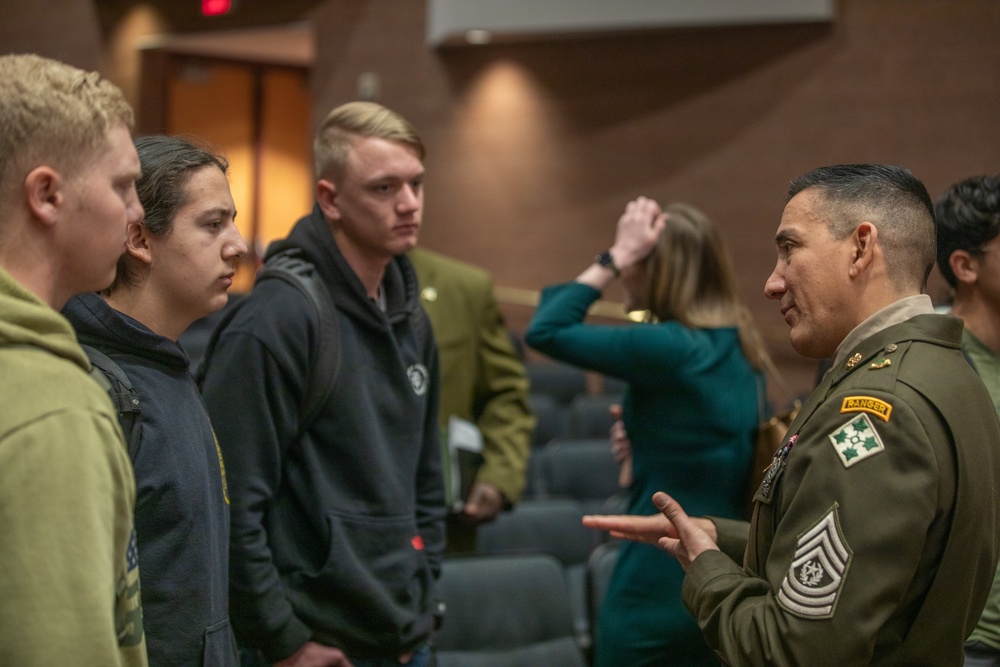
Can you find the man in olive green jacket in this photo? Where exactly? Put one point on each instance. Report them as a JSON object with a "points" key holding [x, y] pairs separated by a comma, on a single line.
{"points": [[69, 573], [482, 381], [874, 537]]}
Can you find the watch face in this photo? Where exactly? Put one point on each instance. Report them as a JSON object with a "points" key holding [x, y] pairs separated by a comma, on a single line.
{"points": [[606, 260]]}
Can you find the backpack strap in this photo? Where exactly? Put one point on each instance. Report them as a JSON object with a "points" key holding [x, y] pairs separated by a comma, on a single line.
{"points": [[291, 267], [123, 395]]}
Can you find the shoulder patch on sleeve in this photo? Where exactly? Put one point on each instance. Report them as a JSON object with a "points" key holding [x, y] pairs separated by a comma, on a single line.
{"points": [[869, 404], [856, 440], [818, 570]]}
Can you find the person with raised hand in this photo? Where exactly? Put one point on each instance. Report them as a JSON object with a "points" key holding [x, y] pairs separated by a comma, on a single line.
{"points": [[690, 407]]}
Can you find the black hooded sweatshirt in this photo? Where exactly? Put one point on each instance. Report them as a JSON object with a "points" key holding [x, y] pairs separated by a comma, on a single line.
{"points": [[181, 508], [337, 527]]}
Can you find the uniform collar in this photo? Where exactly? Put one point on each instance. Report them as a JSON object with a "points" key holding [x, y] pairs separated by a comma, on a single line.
{"points": [[894, 313]]}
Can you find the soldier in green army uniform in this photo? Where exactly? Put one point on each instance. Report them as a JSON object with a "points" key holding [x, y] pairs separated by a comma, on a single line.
{"points": [[482, 380], [874, 537]]}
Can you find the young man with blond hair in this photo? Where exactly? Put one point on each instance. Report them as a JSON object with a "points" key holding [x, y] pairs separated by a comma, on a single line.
{"points": [[69, 576], [337, 514]]}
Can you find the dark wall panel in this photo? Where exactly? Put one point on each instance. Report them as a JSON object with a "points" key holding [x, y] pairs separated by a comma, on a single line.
{"points": [[536, 145], [67, 30]]}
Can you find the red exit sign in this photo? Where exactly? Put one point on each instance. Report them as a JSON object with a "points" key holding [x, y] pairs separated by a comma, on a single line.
{"points": [[216, 7]]}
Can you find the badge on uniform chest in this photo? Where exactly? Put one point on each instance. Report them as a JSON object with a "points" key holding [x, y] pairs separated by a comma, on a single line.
{"points": [[777, 464]]}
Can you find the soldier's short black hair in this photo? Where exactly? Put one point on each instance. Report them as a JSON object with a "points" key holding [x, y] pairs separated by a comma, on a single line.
{"points": [[891, 198]]}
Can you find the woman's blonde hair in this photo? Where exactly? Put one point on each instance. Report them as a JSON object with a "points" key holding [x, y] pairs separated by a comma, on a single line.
{"points": [[689, 278]]}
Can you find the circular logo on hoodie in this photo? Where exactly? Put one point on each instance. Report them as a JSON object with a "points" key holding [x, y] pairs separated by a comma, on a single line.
{"points": [[419, 378]]}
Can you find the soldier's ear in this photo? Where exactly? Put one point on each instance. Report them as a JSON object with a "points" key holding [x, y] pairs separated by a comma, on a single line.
{"points": [[865, 245]]}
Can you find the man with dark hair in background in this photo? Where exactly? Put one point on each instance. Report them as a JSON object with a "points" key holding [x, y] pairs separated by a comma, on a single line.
{"points": [[968, 255], [337, 520], [874, 534]]}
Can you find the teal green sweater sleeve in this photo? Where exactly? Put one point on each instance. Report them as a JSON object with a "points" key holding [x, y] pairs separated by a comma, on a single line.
{"points": [[637, 353]]}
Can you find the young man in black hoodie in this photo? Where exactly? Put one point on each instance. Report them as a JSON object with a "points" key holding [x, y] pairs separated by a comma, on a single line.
{"points": [[337, 516]]}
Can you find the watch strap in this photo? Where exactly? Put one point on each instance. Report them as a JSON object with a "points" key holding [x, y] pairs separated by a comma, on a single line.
{"points": [[606, 260]]}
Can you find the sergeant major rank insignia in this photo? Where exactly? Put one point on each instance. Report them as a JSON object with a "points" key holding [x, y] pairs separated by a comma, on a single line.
{"points": [[818, 570]]}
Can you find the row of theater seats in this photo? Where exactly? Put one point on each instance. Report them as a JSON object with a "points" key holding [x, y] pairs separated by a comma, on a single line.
{"points": [[516, 610], [569, 403], [530, 595]]}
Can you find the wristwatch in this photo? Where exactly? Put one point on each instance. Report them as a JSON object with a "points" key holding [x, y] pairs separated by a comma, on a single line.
{"points": [[607, 261]]}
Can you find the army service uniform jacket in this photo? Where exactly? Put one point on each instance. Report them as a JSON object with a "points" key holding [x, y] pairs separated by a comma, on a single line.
{"points": [[482, 377], [874, 535]]}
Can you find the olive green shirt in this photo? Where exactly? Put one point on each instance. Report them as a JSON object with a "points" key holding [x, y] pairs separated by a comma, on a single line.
{"points": [[987, 364]]}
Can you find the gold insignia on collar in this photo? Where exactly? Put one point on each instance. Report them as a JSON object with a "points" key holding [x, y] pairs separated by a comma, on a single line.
{"points": [[880, 363], [853, 361], [890, 348], [429, 294]]}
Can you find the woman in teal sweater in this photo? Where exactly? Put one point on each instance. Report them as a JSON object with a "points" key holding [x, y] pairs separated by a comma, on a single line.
{"points": [[690, 409]]}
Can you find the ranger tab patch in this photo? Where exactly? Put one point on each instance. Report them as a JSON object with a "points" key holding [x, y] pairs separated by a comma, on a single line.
{"points": [[818, 570], [856, 440], [869, 404]]}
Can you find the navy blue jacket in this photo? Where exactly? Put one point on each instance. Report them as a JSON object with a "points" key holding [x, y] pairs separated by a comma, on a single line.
{"points": [[182, 512]]}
